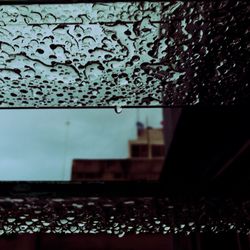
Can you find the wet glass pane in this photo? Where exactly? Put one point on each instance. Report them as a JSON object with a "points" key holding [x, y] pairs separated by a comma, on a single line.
{"points": [[123, 54]]}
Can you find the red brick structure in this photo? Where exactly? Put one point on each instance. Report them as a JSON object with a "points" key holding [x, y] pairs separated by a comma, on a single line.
{"points": [[146, 155]]}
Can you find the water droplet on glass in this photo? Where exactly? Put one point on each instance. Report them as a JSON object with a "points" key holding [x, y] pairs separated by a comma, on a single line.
{"points": [[10, 220], [73, 228], [63, 221], [118, 109], [23, 227], [157, 222], [123, 82], [121, 234]]}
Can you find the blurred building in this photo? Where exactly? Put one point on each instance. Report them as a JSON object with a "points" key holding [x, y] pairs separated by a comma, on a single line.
{"points": [[146, 155]]}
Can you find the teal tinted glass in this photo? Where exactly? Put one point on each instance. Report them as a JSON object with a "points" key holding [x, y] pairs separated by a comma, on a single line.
{"points": [[123, 54], [79, 54]]}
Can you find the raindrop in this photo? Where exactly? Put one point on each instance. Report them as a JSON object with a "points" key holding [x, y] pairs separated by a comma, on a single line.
{"points": [[10, 220], [118, 109], [73, 228], [129, 202], [23, 227], [40, 51], [63, 221], [123, 81], [120, 235]]}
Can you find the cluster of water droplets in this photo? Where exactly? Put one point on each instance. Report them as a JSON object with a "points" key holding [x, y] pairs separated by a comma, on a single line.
{"points": [[116, 216]]}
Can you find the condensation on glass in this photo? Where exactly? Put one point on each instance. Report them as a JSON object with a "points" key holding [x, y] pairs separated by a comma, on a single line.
{"points": [[123, 54]]}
